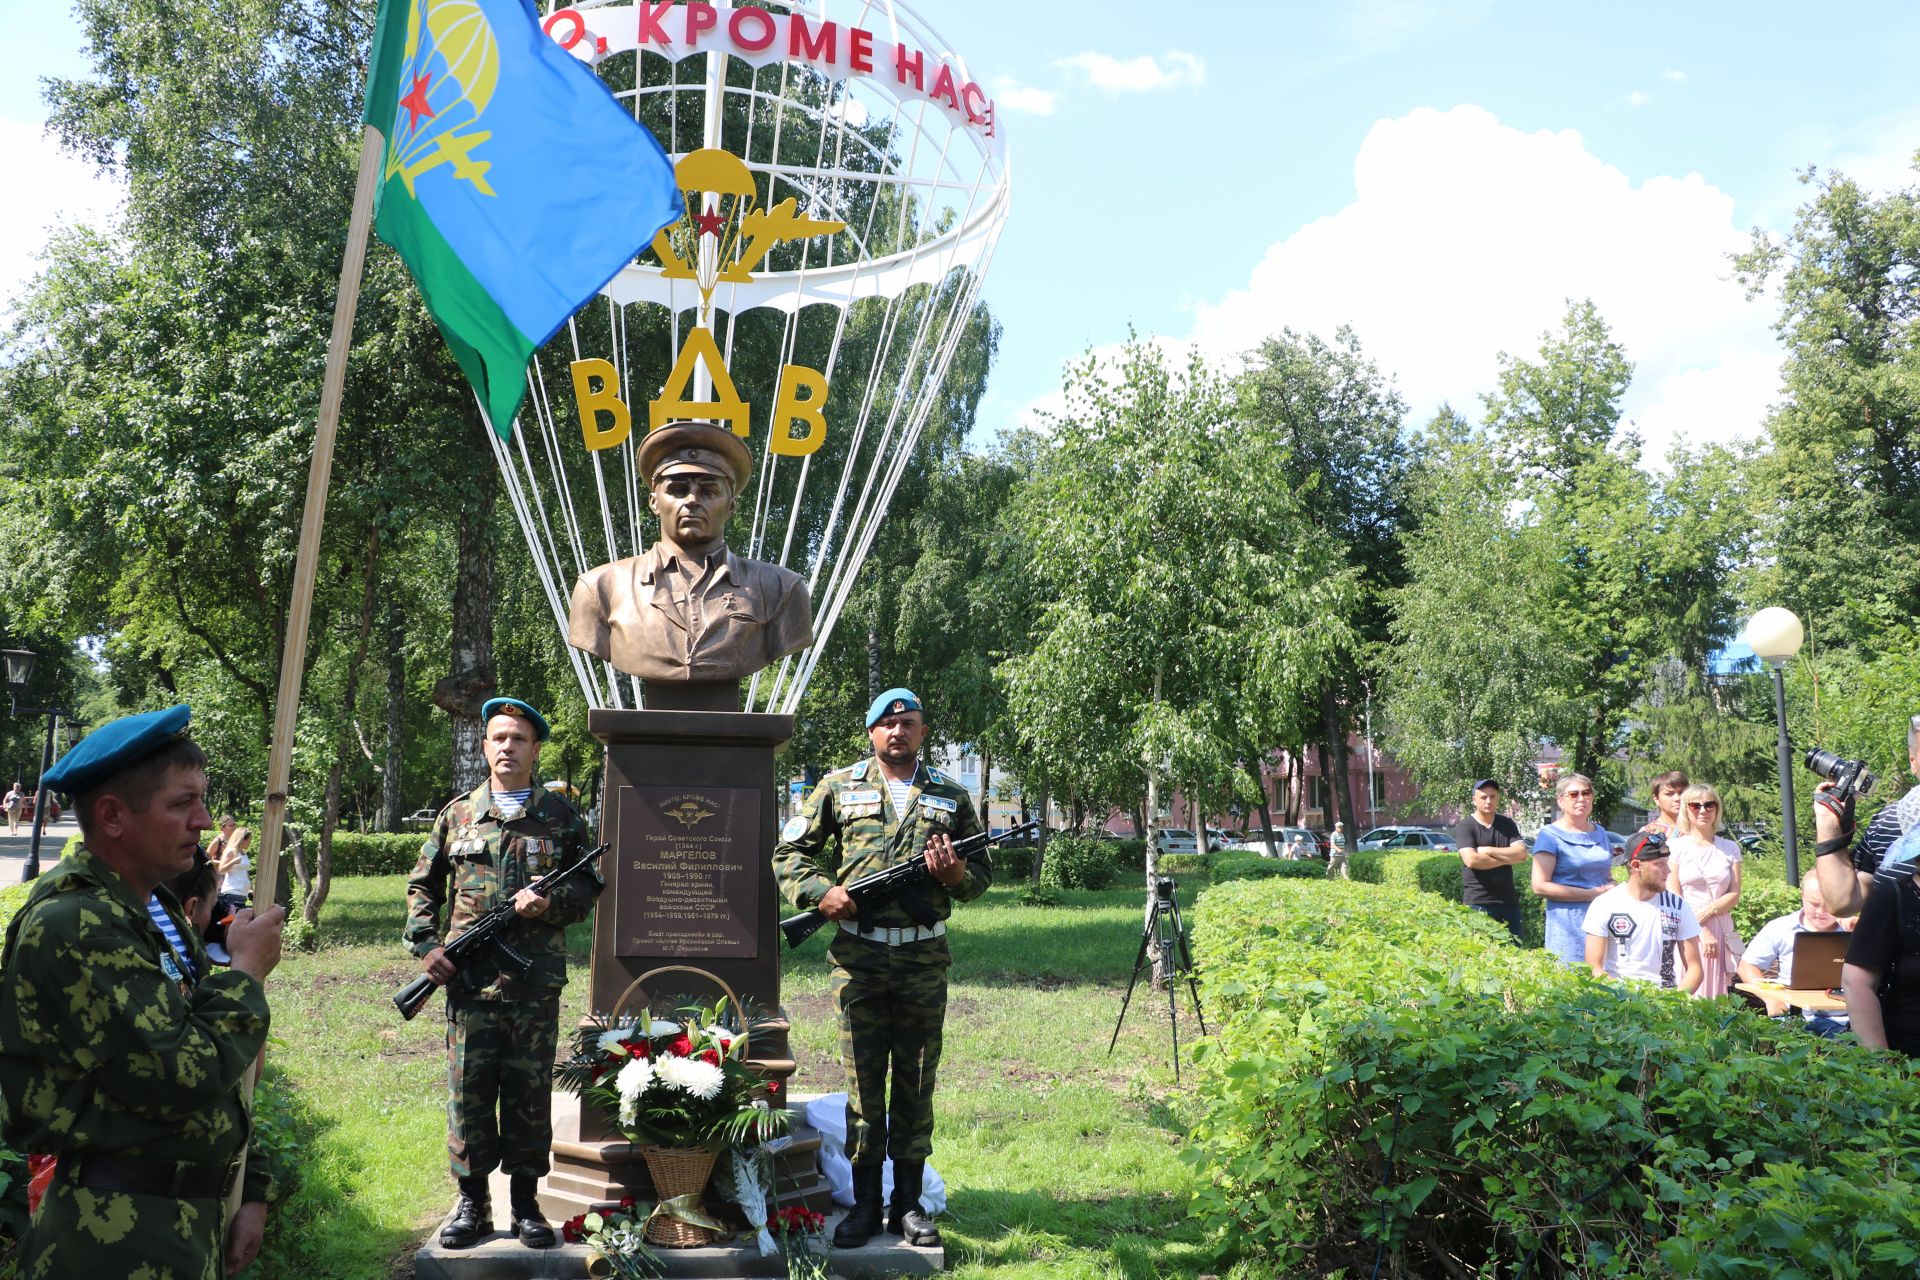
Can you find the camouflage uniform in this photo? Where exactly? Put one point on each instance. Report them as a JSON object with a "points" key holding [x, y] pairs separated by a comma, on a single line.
{"points": [[501, 1036], [109, 1050], [892, 999]]}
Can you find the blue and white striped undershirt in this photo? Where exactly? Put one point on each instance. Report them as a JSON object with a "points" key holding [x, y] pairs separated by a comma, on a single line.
{"points": [[899, 791], [158, 914], [512, 804]]}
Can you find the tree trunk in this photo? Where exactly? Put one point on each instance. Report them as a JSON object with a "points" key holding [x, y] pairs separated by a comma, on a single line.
{"points": [[470, 680], [1333, 758], [343, 749], [392, 793], [1266, 813], [1040, 842], [1294, 780], [874, 681]]}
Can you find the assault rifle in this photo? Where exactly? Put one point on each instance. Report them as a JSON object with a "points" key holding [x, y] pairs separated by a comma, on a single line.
{"points": [[483, 943], [883, 887]]}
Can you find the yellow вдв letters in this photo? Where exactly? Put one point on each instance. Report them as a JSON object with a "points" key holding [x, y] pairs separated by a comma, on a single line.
{"points": [[726, 406], [595, 401], [809, 411]]}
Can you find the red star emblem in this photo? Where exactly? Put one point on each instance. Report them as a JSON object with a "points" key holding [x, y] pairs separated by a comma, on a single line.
{"points": [[710, 224], [416, 101]]}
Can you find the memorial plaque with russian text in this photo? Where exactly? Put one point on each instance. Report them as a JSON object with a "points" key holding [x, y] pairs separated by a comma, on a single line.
{"points": [[688, 883]]}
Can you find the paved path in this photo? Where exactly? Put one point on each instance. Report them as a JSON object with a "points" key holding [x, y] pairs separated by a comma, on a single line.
{"points": [[13, 849]]}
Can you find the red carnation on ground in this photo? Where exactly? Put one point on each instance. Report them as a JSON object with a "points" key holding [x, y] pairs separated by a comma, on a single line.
{"points": [[574, 1229], [627, 1203]]}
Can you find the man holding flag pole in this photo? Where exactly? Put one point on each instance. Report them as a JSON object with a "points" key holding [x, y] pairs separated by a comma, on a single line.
{"points": [[514, 186]]}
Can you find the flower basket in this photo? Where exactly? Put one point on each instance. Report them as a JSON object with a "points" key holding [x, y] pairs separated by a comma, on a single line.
{"points": [[680, 1177], [680, 1090]]}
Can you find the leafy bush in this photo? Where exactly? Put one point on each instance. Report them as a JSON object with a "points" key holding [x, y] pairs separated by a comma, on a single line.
{"points": [[1012, 862], [1078, 862], [1182, 864], [1761, 899], [1394, 1078], [1130, 855], [1366, 866], [371, 855]]}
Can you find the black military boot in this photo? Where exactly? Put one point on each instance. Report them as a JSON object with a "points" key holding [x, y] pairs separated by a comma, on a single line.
{"points": [[904, 1217], [472, 1218], [529, 1225], [862, 1222]]}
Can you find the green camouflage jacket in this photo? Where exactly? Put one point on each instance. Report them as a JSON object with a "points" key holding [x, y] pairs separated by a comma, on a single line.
{"points": [[488, 861], [852, 809], [106, 1045]]}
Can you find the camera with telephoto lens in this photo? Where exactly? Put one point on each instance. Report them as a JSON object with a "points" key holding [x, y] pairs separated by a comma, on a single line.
{"points": [[1163, 888], [1849, 777]]}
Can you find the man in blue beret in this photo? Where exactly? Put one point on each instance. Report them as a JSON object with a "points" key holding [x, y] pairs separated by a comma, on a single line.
{"points": [[890, 971], [121, 1047], [486, 848]]}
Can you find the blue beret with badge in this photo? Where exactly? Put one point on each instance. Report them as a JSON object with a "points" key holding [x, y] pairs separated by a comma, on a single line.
{"points": [[514, 707], [892, 703], [115, 747]]}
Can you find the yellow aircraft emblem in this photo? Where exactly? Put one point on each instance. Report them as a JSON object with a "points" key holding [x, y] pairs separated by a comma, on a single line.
{"points": [[448, 85], [721, 208]]}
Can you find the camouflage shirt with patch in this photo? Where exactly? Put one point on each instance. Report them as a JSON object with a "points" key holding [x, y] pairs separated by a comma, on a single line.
{"points": [[106, 1043], [847, 828], [487, 859]]}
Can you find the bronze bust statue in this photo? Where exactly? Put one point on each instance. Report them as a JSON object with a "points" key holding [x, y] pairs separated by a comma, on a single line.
{"points": [[687, 611]]}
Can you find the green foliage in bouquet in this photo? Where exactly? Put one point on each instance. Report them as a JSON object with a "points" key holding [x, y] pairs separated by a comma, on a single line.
{"points": [[678, 1082]]}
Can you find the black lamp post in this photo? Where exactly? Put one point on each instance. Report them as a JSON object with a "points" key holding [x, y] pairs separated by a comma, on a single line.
{"points": [[19, 667], [1774, 635]]}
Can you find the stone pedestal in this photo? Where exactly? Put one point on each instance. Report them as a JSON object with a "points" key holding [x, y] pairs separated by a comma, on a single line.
{"points": [[689, 808]]}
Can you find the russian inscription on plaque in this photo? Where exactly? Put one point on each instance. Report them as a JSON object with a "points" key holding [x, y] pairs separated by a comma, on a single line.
{"points": [[687, 883]]}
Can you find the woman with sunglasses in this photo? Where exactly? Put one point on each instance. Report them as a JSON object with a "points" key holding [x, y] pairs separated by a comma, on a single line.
{"points": [[1572, 865], [1705, 870]]}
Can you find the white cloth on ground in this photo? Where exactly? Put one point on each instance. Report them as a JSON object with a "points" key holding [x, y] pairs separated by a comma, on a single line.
{"points": [[828, 1117]]}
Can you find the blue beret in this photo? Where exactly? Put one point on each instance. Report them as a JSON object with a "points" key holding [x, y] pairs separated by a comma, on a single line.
{"points": [[892, 703], [514, 707], [116, 747]]}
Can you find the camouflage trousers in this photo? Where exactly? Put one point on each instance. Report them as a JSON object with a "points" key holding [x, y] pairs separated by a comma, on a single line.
{"points": [[81, 1233], [500, 1084], [892, 1002]]}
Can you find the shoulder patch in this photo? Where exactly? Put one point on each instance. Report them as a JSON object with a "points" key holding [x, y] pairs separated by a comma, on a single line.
{"points": [[935, 776], [858, 771], [795, 828]]}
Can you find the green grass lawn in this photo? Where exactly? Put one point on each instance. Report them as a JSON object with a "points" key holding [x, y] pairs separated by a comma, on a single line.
{"points": [[1061, 1162]]}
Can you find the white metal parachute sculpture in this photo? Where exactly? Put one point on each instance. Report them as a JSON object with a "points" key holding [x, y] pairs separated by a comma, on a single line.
{"points": [[846, 183]]}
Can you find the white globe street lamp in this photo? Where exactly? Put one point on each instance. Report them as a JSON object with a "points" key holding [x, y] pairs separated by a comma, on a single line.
{"points": [[1774, 635]]}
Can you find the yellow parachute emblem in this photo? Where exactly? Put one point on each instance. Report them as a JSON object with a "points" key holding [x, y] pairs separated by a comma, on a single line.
{"points": [[446, 87]]}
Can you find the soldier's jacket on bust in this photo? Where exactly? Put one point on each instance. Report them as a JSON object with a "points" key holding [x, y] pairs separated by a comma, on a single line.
{"points": [[107, 1044], [482, 860], [632, 613], [847, 828]]}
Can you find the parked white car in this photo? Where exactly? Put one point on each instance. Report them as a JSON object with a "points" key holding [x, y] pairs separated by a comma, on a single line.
{"points": [[1175, 840]]}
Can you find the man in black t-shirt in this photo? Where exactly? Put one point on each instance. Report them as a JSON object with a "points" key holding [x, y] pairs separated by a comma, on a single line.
{"points": [[1490, 847], [1881, 979]]}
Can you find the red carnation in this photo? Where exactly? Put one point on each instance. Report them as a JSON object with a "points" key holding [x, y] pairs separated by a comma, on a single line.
{"points": [[709, 1057], [681, 1046], [773, 1086], [574, 1229], [638, 1048], [626, 1203]]}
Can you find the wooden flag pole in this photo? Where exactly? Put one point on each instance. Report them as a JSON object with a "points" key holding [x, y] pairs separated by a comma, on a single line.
{"points": [[286, 711]]}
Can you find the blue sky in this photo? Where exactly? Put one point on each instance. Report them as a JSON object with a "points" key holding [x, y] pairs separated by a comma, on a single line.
{"points": [[1440, 175]]}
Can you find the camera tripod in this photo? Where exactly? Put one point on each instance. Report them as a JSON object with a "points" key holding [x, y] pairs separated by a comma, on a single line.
{"points": [[1165, 926]]}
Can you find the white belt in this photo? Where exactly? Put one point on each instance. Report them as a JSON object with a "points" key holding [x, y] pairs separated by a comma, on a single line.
{"points": [[896, 937]]}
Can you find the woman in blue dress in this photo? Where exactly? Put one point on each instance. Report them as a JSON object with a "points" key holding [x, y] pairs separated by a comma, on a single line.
{"points": [[1572, 865]]}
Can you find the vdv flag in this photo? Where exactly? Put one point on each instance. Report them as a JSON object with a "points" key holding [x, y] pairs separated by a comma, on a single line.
{"points": [[514, 185]]}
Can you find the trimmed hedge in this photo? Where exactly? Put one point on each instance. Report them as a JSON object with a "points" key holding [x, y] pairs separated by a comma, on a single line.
{"points": [[1392, 1080], [1366, 866], [371, 855]]}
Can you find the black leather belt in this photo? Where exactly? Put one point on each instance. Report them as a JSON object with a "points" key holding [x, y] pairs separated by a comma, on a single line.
{"points": [[144, 1176]]}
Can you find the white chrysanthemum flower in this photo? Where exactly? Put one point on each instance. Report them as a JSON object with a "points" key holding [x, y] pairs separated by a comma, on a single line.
{"points": [[662, 1028], [690, 1075], [610, 1039], [631, 1083]]}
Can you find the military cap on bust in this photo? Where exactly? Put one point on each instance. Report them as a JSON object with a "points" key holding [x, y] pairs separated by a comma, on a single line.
{"points": [[514, 707], [695, 446], [892, 703], [115, 747]]}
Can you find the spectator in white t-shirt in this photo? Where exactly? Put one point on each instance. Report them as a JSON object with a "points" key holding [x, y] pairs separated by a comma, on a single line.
{"points": [[1641, 931], [1769, 957]]}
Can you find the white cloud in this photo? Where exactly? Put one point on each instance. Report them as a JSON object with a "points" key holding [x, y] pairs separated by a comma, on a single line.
{"points": [[1673, 75], [1014, 96], [1638, 99], [1465, 239], [1381, 26], [1171, 70], [48, 190]]}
